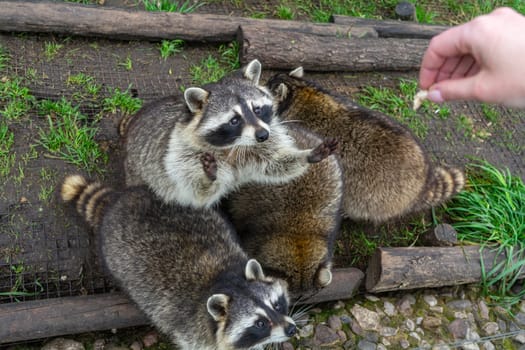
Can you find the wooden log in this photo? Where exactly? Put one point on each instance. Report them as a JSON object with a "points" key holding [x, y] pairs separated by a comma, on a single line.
{"points": [[393, 269], [69, 315], [52, 317], [393, 29], [287, 50], [345, 284], [118, 23]]}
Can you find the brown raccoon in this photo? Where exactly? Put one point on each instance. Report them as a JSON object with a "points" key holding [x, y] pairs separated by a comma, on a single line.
{"points": [[184, 269], [387, 173], [290, 229]]}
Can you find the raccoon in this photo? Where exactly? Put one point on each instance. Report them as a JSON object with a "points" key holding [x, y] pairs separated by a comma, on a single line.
{"points": [[291, 228], [195, 151], [387, 173], [183, 268]]}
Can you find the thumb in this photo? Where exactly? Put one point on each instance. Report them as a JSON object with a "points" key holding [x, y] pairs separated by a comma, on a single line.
{"points": [[453, 89]]}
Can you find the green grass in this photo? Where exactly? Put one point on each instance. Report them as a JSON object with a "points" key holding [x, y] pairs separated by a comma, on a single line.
{"points": [[84, 85], [361, 245], [4, 58], [207, 71], [285, 12], [491, 212], [171, 6], [45, 192], [121, 101], [423, 15], [17, 290], [170, 47], [230, 55], [126, 63], [16, 98], [7, 158], [211, 69], [489, 112], [397, 103], [70, 135], [427, 11], [51, 49]]}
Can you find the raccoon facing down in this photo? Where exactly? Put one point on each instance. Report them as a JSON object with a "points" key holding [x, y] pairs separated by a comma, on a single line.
{"points": [[183, 269], [196, 149], [387, 173], [291, 228]]}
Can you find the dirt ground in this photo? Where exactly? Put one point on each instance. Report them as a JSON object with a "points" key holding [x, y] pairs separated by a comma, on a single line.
{"points": [[45, 249]]}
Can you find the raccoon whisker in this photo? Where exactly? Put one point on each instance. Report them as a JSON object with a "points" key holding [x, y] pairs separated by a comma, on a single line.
{"points": [[291, 121], [300, 315]]}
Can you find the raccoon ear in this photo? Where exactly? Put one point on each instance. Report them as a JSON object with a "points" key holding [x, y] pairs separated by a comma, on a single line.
{"points": [[217, 306], [297, 72], [253, 71], [282, 92], [253, 270], [195, 98]]}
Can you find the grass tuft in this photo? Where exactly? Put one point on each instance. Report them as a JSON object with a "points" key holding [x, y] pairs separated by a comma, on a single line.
{"points": [[4, 58], [16, 98], [212, 69], [491, 212], [7, 158], [171, 6], [397, 103], [121, 101], [70, 135], [170, 47]]}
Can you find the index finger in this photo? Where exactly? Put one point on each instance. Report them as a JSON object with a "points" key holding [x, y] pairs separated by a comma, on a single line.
{"points": [[442, 47]]}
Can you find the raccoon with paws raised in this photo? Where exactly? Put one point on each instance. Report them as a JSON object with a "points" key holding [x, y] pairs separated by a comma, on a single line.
{"points": [[222, 135], [183, 269], [291, 228], [387, 173]]}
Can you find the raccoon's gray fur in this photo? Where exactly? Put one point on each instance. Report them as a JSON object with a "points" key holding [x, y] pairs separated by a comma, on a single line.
{"points": [[387, 173], [183, 269], [195, 151], [291, 228]]}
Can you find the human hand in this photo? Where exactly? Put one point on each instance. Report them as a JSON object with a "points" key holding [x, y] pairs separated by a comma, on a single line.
{"points": [[481, 60]]}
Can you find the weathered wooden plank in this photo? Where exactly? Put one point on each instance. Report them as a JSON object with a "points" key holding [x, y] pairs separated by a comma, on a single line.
{"points": [[393, 29], [68, 315], [286, 50], [118, 23], [392, 269]]}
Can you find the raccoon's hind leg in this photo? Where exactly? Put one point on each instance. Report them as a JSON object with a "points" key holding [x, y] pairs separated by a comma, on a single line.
{"points": [[322, 151], [209, 165]]}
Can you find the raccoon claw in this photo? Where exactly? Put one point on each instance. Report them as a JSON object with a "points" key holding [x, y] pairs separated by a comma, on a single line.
{"points": [[209, 164], [322, 151]]}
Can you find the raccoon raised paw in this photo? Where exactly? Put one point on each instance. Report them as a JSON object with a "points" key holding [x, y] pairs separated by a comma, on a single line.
{"points": [[209, 165], [322, 151]]}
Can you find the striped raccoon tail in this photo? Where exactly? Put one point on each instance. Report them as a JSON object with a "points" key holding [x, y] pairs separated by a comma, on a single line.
{"points": [[444, 183], [90, 198], [124, 124]]}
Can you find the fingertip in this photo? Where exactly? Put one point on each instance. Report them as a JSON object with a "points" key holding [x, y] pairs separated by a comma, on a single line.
{"points": [[435, 95]]}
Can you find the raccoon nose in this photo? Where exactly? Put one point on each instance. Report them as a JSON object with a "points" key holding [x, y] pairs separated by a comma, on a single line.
{"points": [[261, 135], [290, 330]]}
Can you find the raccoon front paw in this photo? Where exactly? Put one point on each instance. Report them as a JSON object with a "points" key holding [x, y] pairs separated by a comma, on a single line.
{"points": [[322, 151], [209, 165]]}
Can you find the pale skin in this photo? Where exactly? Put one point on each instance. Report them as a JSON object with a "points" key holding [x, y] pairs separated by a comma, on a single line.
{"points": [[480, 60]]}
